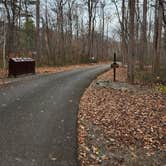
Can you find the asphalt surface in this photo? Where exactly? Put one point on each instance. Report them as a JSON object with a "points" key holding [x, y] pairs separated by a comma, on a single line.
{"points": [[38, 118]]}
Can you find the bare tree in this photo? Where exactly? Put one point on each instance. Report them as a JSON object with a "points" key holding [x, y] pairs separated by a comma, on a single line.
{"points": [[123, 21], [60, 25], [70, 17], [157, 37], [92, 4], [103, 4], [12, 10], [131, 52], [143, 36], [38, 27]]}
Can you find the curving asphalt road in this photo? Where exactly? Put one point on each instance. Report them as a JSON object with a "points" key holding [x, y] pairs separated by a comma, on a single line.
{"points": [[38, 118]]}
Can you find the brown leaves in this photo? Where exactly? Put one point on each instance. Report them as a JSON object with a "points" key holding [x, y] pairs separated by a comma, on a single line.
{"points": [[43, 70], [113, 120], [48, 69]]}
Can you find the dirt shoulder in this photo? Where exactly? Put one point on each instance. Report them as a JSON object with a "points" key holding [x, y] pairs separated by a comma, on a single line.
{"points": [[43, 70], [121, 126]]}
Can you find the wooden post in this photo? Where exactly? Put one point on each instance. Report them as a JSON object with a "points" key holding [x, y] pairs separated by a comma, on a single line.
{"points": [[114, 65]]}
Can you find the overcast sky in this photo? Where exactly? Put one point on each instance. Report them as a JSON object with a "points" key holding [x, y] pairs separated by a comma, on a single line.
{"points": [[111, 19]]}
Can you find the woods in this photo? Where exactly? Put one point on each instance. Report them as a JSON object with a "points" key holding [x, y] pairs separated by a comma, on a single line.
{"points": [[51, 51], [64, 32]]}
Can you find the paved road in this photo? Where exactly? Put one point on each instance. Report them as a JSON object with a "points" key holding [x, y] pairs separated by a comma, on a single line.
{"points": [[38, 119]]}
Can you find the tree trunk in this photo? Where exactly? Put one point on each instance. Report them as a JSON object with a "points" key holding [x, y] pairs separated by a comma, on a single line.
{"points": [[38, 28], [137, 30], [131, 49], [103, 29], [123, 34], [157, 38], [90, 7], [143, 37]]}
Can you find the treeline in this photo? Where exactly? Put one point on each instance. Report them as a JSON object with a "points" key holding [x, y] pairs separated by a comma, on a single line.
{"points": [[143, 36], [56, 32], [59, 32]]}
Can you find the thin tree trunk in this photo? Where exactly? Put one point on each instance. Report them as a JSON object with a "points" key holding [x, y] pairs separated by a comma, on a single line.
{"points": [[123, 45], [131, 53], [157, 38], [38, 28], [143, 37]]}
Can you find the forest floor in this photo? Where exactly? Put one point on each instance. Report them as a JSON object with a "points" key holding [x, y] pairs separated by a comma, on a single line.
{"points": [[121, 124], [45, 70]]}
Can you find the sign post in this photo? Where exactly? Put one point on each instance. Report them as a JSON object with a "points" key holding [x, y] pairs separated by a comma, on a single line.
{"points": [[114, 65]]}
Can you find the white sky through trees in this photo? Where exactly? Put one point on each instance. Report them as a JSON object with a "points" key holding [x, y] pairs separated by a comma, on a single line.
{"points": [[112, 26]]}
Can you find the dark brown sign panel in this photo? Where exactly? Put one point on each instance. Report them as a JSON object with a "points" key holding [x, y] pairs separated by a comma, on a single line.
{"points": [[19, 66]]}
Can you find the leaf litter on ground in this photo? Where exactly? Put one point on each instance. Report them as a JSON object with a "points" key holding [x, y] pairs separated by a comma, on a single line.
{"points": [[121, 127], [47, 70]]}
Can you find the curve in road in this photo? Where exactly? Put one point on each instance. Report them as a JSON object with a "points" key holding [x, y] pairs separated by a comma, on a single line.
{"points": [[38, 118]]}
